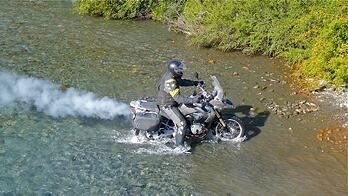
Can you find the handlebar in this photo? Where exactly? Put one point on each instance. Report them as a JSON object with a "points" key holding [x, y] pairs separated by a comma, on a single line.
{"points": [[204, 92], [201, 105], [217, 92]]}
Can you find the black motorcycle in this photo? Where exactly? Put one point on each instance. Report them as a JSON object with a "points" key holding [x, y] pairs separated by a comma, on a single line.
{"points": [[205, 119]]}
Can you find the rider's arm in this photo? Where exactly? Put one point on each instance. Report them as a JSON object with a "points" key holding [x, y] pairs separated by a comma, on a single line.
{"points": [[173, 89], [185, 82]]}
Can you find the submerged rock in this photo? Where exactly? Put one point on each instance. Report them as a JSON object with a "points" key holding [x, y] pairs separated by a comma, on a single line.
{"points": [[65, 86], [292, 109], [235, 73], [6, 122], [211, 61], [333, 139]]}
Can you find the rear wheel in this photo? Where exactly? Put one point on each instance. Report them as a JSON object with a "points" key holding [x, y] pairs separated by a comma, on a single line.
{"points": [[235, 129]]}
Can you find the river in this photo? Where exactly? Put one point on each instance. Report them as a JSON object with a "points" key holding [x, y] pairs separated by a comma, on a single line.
{"points": [[45, 155]]}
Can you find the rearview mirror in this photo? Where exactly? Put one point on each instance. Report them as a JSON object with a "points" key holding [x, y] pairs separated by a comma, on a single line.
{"points": [[196, 75]]}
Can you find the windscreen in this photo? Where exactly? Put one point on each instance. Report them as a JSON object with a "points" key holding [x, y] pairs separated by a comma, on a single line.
{"points": [[217, 88]]}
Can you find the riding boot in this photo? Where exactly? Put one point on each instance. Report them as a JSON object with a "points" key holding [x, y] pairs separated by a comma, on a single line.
{"points": [[179, 139]]}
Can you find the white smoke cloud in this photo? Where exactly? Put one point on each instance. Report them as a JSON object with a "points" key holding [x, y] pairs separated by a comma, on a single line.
{"points": [[48, 98]]}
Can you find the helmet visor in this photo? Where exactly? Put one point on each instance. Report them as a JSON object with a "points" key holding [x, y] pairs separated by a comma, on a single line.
{"points": [[180, 68]]}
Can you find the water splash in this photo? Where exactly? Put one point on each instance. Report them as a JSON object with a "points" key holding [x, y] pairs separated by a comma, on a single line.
{"points": [[338, 98], [50, 99], [234, 140], [163, 146], [164, 150], [143, 145]]}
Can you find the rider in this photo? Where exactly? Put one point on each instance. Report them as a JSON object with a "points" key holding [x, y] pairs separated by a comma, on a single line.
{"points": [[169, 97]]}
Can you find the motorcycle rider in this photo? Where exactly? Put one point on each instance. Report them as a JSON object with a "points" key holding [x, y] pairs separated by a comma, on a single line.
{"points": [[169, 97]]}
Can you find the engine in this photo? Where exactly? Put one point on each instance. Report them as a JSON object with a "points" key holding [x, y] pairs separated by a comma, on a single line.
{"points": [[197, 128]]}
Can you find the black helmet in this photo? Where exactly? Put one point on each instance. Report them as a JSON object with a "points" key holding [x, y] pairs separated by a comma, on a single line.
{"points": [[176, 68]]}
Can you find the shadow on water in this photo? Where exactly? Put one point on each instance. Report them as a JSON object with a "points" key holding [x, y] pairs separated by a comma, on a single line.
{"points": [[252, 120]]}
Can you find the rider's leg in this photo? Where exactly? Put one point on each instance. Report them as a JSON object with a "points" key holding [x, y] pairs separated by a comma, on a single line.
{"points": [[180, 123]]}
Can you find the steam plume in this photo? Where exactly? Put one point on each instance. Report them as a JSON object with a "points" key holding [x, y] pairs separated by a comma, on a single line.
{"points": [[48, 98]]}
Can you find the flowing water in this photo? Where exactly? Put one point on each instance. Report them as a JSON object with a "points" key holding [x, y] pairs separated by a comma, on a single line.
{"points": [[76, 154]]}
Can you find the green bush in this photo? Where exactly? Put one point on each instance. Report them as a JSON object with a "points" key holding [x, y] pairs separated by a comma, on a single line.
{"points": [[116, 9], [168, 10], [328, 57], [311, 34], [162, 10]]}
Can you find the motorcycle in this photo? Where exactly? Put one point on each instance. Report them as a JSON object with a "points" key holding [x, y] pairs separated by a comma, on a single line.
{"points": [[205, 119]]}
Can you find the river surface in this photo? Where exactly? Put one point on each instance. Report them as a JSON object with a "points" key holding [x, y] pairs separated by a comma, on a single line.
{"points": [[44, 155]]}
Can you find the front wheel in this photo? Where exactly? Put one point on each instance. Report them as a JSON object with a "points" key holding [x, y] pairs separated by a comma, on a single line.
{"points": [[235, 129]]}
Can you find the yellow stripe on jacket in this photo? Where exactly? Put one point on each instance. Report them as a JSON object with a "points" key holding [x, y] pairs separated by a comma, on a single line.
{"points": [[174, 92], [170, 80]]}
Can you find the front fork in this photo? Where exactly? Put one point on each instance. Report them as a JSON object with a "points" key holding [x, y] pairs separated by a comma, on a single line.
{"points": [[222, 121]]}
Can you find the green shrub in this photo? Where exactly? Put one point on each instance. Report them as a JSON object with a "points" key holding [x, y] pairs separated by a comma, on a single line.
{"points": [[168, 10], [329, 54], [311, 33], [116, 9]]}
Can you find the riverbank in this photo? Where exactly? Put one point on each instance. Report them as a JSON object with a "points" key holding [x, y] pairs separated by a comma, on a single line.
{"points": [[311, 36]]}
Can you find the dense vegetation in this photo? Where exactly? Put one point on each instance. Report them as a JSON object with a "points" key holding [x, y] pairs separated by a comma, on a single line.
{"points": [[311, 35]]}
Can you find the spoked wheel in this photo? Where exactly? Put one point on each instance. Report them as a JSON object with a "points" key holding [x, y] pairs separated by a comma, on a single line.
{"points": [[235, 129]]}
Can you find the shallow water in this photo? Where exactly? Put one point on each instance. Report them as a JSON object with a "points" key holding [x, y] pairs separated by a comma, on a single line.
{"points": [[40, 154]]}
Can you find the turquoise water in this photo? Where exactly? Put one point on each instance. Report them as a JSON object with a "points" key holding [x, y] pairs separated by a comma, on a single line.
{"points": [[43, 155]]}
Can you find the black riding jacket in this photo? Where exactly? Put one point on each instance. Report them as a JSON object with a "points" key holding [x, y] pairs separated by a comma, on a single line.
{"points": [[169, 90]]}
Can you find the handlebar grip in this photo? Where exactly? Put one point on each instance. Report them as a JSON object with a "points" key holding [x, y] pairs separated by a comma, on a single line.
{"points": [[199, 104], [196, 104]]}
